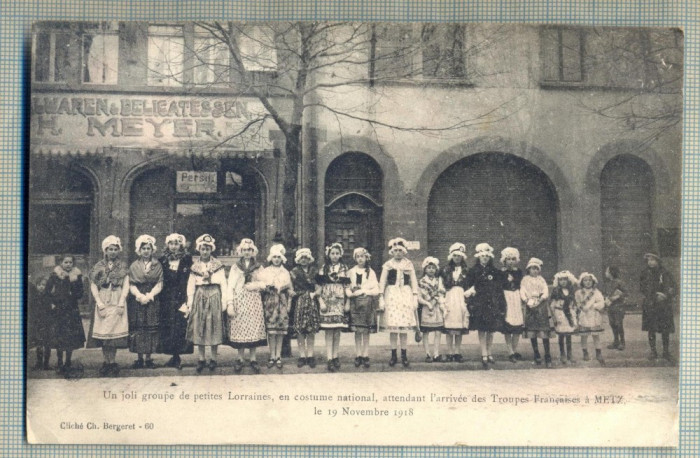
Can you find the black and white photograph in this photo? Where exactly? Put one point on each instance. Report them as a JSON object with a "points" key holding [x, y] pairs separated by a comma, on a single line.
{"points": [[353, 233]]}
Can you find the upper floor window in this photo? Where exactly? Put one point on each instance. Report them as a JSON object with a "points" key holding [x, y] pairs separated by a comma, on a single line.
{"points": [[442, 51], [427, 52], [166, 46], [257, 47], [392, 52], [51, 51], [101, 53], [562, 54], [211, 58]]}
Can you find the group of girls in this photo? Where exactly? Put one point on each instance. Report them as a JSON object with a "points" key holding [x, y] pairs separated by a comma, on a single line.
{"points": [[171, 304], [486, 299], [520, 304]]}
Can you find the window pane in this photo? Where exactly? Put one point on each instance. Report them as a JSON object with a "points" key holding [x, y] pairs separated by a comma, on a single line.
{"points": [[394, 51], [100, 58], [211, 61], [165, 55], [42, 56], [257, 48], [571, 55], [62, 62], [550, 54]]}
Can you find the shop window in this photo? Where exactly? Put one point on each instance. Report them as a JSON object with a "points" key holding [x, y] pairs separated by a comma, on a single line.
{"points": [[51, 51], [60, 208], [59, 228], [166, 45], [425, 52], [211, 58], [101, 54], [229, 211], [562, 53]]}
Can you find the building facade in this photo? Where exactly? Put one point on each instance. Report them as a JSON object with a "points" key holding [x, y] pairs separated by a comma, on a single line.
{"points": [[560, 141]]}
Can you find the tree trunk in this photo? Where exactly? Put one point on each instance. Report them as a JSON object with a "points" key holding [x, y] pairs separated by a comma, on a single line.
{"points": [[291, 172]]}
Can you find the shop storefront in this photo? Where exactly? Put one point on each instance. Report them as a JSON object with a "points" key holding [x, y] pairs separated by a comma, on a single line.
{"points": [[129, 165]]}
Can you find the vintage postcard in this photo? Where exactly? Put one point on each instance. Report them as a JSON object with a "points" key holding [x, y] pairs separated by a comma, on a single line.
{"points": [[353, 233]]}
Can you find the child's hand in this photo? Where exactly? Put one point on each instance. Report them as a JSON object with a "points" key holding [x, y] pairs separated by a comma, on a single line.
{"points": [[230, 311], [322, 305], [53, 306], [120, 310], [346, 308], [102, 311], [661, 297], [380, 307]]}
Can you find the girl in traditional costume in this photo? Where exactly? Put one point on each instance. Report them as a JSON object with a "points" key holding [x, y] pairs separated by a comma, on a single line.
{"points": [[109, 285]]}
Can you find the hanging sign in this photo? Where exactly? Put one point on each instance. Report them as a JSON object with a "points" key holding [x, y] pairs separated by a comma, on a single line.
{"points": [[191, 181]]}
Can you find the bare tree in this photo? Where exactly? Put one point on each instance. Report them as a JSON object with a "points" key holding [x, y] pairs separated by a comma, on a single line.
{"points": [[295, 67], [648, 65]]}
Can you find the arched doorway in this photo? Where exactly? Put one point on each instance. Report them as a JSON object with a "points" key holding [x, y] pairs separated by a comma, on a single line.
{"points": [[496, 198], [230, 210], [626, 196], [353, 195]]}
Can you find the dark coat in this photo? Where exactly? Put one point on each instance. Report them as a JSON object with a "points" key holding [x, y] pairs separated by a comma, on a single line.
{"points": [[516, 276], [657, 314], [67, 326], [173, 324], [39, 318], [487, 308], [448, 280]]}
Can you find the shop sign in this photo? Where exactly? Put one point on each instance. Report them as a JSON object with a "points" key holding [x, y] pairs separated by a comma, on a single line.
{"points": [[413, 245], [191, 181], [89, 122]]}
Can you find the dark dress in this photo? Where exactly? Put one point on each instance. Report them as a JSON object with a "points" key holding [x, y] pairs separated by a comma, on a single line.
{"points": [[487, 308], [173, 324], [67, 332], [304, 318], [144, 318], [657, 315]]}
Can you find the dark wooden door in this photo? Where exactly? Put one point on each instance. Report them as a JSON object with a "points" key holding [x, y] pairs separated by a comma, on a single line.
{"points": [[355, 222]]}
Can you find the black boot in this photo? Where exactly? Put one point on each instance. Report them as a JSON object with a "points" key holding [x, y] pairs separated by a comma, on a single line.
{"points": [[599, 356], [536, 351], [621, 347], [652, 346], [404, 358], [548, 361], [392, 361], [47, 358], [586, 356]]}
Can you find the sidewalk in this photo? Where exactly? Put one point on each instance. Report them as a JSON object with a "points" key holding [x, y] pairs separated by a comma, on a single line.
{"points": [[635, 355]]}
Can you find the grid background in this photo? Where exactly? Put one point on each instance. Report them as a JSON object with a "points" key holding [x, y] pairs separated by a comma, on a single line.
{"points": [[16, 17]]}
